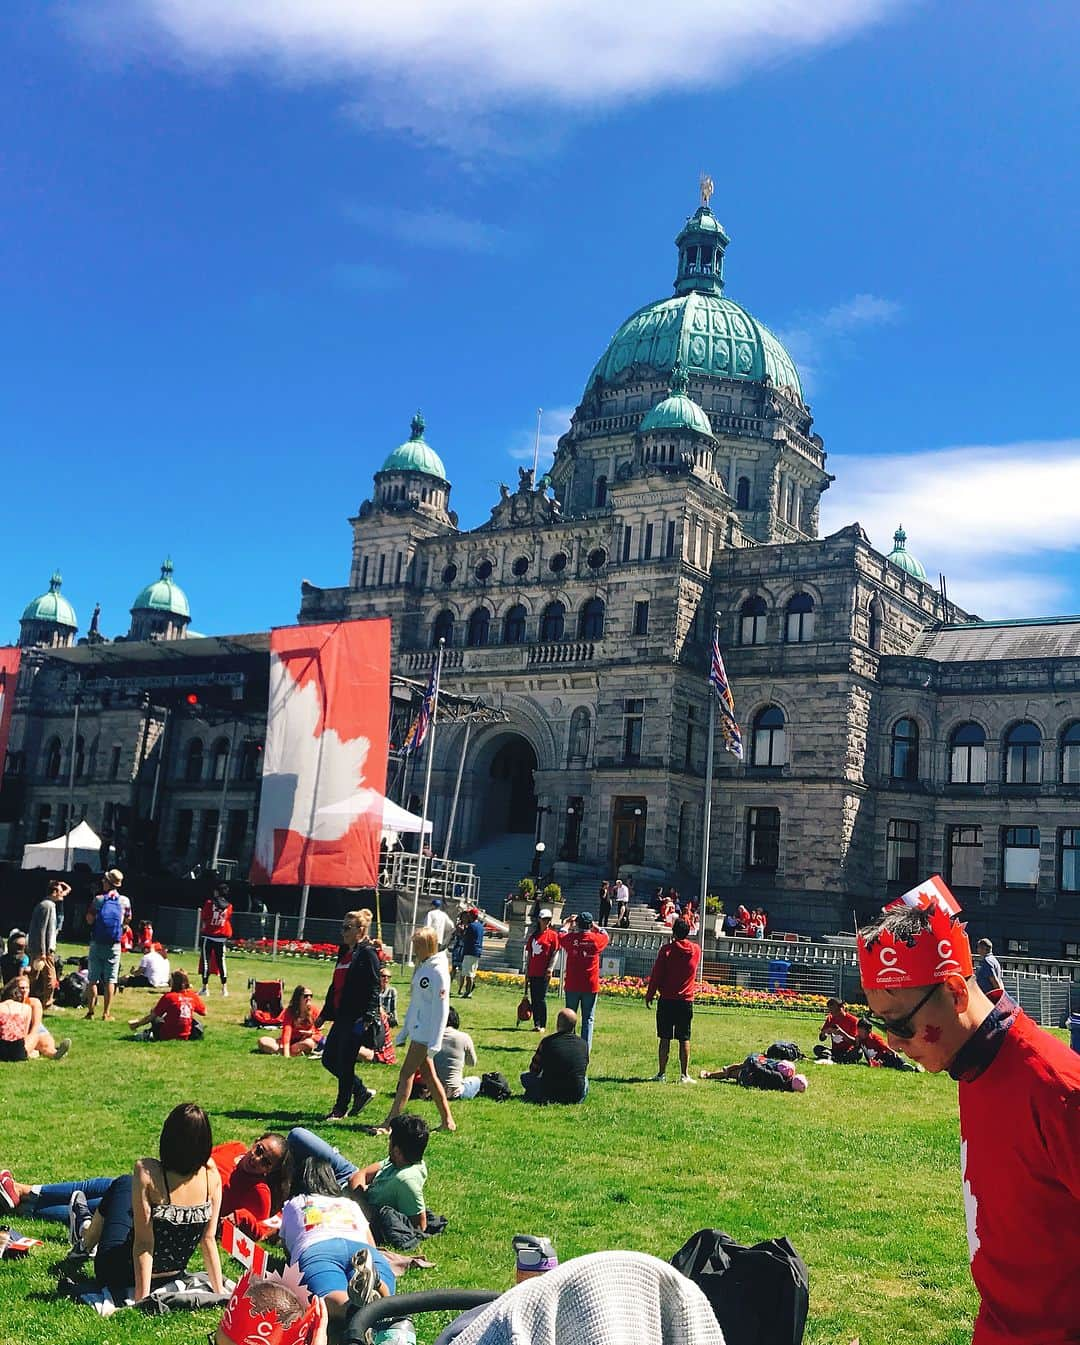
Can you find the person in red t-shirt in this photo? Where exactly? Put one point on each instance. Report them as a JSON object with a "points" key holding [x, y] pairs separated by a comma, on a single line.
{"points": [[173, 1017], [215, 927], [875, 1050], [841, 1029], [300, 1033], [541, 949], [582, 945], [673, 978], [1019, 1117]]}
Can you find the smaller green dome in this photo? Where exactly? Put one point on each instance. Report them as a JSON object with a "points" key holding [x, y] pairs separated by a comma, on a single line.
{"points": [[902, 557], [52, 606], [163, 595], [677, 411], [415, 455]]}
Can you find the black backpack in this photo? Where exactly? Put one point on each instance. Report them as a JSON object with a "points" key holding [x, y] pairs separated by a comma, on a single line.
{"points": [[784, 1050], [759, 1295], [495, 1086]]}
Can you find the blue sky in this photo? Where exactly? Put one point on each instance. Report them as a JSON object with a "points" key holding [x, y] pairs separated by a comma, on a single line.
{"points": [[242, 241]]}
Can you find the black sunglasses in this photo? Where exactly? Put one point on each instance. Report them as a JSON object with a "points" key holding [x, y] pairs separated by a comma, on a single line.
{"points": [[901, 1027]]}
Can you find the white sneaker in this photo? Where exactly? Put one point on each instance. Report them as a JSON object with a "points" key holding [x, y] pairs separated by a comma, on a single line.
{"points": [[685, 1078], [224, 992], [658, 1078]]}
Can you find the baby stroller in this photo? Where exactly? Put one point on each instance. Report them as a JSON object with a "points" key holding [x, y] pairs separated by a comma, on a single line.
{"points": [[267, 1004]]}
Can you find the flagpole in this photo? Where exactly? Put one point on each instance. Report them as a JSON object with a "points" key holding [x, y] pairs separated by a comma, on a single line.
{"points": [[457, 790], [706, 831], [427, 794]]}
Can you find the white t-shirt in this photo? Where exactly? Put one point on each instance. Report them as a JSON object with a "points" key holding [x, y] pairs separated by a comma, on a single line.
{"points": [[441, 923], [155, 968], [622, 894], [306, 1220]]}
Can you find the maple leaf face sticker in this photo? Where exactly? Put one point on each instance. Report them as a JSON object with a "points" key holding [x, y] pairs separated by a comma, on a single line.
{"points": [[931, 1034]]}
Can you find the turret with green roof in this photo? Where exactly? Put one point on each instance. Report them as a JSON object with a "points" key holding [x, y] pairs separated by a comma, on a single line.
{"points": [[902, 557], [160, 610], [50, 619]]}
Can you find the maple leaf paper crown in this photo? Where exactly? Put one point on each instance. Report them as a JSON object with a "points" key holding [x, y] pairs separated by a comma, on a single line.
{"points": [[888, 962], [244, 1326]]}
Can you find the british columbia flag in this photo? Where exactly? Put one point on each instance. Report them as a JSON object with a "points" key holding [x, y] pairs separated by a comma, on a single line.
{"points": [[729, 728]]}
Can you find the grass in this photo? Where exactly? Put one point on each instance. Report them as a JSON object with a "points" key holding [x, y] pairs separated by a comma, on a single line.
{"points": [[861, 1172]]}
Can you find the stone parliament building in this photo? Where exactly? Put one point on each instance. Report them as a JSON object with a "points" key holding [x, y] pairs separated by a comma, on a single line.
{"points": [[888, 733]]}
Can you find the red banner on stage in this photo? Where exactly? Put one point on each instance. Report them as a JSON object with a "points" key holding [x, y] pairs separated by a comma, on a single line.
{"points": [[326, 740], [9, 675]]}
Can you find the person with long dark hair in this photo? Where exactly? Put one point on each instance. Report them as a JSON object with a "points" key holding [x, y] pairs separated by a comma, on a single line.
{"points": [[353, 1005]]}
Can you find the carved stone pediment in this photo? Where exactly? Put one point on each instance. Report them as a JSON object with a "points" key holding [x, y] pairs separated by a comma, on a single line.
{"points": [[528, 506]]}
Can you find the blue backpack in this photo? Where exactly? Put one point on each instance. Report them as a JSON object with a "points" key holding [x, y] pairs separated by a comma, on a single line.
{"points": [[109, 921]]}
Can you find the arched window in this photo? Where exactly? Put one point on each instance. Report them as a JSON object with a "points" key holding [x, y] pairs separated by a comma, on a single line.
{"points": [[800, 619], [1023, 750], [514, 625], [752, 621], [742, 493], [1070, 755], [552, 621], [479, 627], [443, 628], [904, 750], [967, 755], [600, 498], [579, 734], [80, 757], [770, 738], [877, 620], [250, 756], [193, 761], [219, 759], [53, 757], [591, 620]]}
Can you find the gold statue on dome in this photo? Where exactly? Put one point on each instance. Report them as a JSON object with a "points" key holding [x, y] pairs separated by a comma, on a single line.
{"points": [[707, 188]]}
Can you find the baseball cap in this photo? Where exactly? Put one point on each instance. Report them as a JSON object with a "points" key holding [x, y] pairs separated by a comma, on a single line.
{"points": [[585, 919], [545, 913]]}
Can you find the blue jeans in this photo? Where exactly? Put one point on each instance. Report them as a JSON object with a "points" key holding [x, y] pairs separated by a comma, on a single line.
{"points": [[583, 1002], [305, 1144], [52, 1203], [327, 1266]]}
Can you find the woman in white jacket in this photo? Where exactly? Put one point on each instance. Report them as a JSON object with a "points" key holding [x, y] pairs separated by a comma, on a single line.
{"points": [[424, 1025]]}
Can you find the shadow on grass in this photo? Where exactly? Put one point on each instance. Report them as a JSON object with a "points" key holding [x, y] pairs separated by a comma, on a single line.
{"points": [[246, 1114], [627, 1078]]}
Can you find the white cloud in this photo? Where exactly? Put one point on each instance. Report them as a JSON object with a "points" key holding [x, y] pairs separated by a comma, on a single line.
{"points": [[553, 425], [425, 227], [817, 339], [972, 513], [463, 55]]}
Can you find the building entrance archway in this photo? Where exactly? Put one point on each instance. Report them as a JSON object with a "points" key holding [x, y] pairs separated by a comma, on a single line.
{"points": [[511, 801]]}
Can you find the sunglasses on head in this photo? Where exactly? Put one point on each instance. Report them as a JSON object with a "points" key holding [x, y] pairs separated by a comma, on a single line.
{"points": [[901, 1028]]}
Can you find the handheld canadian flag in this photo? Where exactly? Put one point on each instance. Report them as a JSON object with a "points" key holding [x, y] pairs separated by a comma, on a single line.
{"points": [[326, 741], [242, 1248], [933, 892]]}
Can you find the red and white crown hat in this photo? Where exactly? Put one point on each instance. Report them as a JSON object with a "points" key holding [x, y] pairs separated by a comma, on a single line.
{"points": [[244, 1326], [942, 950]]}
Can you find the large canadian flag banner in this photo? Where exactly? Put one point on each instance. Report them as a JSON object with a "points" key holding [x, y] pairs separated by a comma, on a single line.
{"points": [[326, 741], [9, 675]]}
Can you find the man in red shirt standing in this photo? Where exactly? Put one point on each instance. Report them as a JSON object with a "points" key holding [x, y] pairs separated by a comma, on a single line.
{"points": [[541, 948], [1019, 1115], [673, 978], [582, 946]]}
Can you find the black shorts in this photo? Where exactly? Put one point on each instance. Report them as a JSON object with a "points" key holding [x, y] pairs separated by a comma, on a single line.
{"points": [[673, 1018]]}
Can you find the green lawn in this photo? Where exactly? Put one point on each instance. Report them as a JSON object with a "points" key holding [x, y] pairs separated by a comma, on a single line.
{"points": [[860, 1172]]}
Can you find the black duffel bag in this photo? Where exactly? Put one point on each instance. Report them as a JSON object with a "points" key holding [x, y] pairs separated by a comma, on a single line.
{"points": [[760, 1295]]}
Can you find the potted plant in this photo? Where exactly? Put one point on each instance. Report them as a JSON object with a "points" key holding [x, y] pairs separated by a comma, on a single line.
{"points": [[715, 907], [552, 896]]}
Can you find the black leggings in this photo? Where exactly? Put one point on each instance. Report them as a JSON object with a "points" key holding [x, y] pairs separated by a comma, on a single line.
{"points": [[538, 999], [339, 1057]]}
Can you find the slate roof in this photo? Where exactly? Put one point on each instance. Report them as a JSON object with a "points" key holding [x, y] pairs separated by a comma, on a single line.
{"points": [[985, 641]]}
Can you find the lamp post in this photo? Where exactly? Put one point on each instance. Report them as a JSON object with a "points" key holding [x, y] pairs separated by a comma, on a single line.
{"points": [[538, 857]]}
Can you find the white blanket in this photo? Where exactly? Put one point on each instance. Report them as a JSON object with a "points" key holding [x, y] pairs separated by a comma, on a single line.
{"points": [[607, 1298]]}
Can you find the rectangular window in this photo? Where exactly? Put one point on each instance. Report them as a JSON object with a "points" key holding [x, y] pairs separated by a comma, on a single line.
{"points": [[669, 543], [968, 765], [182, 840], [382, 569], [627, 541], [208, 833], [1018, 947], [633, 724], [1071, 950], [363, 572], [397, 568], [641, 618], [43, 830], [763, 839], [688, 758], [114, 762], [1020, 857], [648, 541], [237, 832], [1069, 858], [902, 852], [965, 851], [108, 814]]}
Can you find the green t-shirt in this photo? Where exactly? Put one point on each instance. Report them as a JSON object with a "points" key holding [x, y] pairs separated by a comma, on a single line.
{"points": [[400, 1188]]}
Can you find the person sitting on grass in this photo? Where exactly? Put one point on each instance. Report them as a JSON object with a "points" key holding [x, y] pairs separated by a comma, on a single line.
{"points": [[458, 1050], [558, 1069], [152, 973], [151, 1221], [759, 1071], [172, 1017], [841, 1029], [875, 1050], [398, 1180], [268, 1308], [300, 1034], [16, 958], [387, 997], [327, 1237], [23, 1035], [250, 1188]]}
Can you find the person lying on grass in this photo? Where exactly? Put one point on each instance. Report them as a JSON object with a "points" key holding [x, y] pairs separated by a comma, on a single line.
{"points": [[172, 1017], [250, 1181], [300, 1033], [758, 1071], [23, 1035], [150, 1222]]}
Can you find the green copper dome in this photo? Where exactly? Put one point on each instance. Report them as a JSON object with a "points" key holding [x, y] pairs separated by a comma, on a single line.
{"points": [[163, 595], [677, 411], [52, 606], [416, 455], [902, 557]]}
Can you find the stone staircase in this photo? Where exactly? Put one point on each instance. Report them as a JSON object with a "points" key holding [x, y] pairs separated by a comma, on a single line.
{"points": [[500, 865]]}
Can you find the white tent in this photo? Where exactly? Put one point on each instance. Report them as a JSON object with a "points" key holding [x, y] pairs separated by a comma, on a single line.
{"points": [[83, 846], [395, 819]]}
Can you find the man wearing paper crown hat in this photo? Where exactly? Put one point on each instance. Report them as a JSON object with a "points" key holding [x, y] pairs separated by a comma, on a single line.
{"points": [[272, 1310], [1019, 1114]]}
